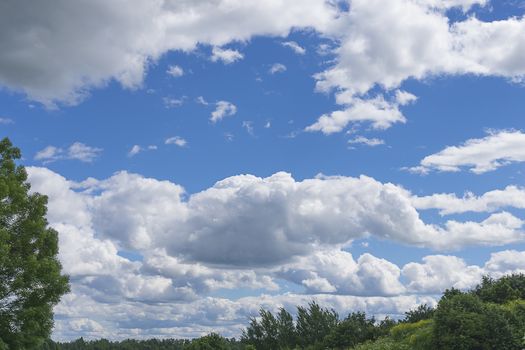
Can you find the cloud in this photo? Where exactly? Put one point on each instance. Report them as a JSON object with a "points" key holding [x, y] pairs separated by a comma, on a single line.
{"points": [[175, 71], [6, 121], [295, 47], [96, 219], [249, 221], [223, 109], [136, 149], [439, 272], [227, 56], [366, 141], [42, 65], [248, 125], [381, 113], [277, 68], [448, 203], [416, 40], [170, 102], [202, 101], [176, 140], [335, 271], [76, 151], [497, 149]]}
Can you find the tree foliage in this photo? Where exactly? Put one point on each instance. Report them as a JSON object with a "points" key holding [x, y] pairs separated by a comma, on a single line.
{"points": [[31, 282]]}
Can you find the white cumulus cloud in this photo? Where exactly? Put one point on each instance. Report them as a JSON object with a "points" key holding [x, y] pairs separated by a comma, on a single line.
{"points": [[497, 149]]}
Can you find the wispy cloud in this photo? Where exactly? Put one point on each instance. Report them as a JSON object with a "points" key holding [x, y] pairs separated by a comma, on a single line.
{"points": [[227, 56], [366, 141], [175, 71], [6, 121], [277, 68], [202, 101], [295, 47], [77, 151], [223, 109], [248, 125], [171, 102], [176, 140]]}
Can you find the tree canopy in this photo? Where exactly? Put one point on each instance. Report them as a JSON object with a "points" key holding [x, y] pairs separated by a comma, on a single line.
{"points": [[31, 282]]}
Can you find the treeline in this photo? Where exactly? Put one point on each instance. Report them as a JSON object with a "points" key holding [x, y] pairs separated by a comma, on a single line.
{"points": [[490, 316], [208, 342]]}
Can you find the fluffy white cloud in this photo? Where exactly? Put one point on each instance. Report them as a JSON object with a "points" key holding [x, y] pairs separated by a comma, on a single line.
{"points": [[277, 68], [229, 317], [120, 37], [423, 282], [381, 113], [505, 262], [447, 203], [298, 49], [416, 40], [223, 109], [77, 151], [244, 232], [335, 271], [439, 272], [497, 149], [245, 220], [227, 56]]}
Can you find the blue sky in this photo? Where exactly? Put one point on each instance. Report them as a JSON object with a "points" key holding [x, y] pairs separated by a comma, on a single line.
{"points": [[267, 154]]}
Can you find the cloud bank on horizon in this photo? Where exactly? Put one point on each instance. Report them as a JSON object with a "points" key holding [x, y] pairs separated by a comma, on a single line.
{"points": [[255, 233], [248, 103]]}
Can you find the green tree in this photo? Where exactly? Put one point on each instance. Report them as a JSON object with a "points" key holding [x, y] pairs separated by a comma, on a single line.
{"points": [[422, 312], [500, 291], [271, 332], [314, 324], [459, 323], [286, 334], [354, 329], [212, 341], [31, 282]]}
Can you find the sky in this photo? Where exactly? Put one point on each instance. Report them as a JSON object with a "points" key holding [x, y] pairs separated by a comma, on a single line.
{"points": [[207, 158]]}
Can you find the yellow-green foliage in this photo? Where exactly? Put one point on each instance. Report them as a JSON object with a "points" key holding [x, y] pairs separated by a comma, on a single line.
{"points": [[416, 335], [405, 330], [383, 344], [404, 336], [516, 309]]}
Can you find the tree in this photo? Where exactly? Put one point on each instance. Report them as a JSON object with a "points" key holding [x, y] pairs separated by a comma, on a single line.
{"points": [[212, 341], [459, 322], [287, 337], [314, 324], [271, 332], [500, 291], [354, 329], [422, 312], [31, 282]]}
